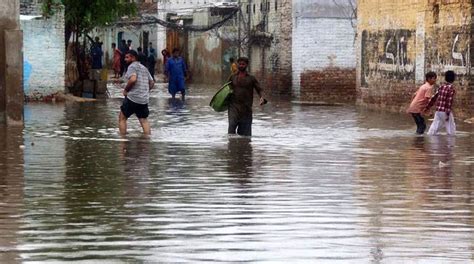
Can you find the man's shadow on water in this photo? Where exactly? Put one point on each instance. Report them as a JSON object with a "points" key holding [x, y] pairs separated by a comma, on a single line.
{"points": [[239, 157], [135, 156]]}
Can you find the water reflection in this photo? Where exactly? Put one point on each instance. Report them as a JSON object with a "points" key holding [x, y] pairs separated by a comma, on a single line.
{"points": [[135, 155], [312, 179], [239, 157], [416, 190], [11, 193]]}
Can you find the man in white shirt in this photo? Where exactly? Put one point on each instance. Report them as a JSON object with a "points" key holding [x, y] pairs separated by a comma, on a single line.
{"points": [[137, 94]]}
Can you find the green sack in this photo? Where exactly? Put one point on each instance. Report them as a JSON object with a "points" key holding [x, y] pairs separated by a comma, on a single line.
{"points": [[220, 101]]}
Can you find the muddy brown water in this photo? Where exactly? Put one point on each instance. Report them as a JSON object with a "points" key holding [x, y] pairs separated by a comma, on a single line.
{"points": [[315, 184]]}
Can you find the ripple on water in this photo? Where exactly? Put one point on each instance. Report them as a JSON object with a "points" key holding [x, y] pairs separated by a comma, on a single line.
{"points": [[314, 184]]}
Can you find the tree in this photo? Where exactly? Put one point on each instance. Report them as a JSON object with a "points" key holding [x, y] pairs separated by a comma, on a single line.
{"points": [[81, 16]]}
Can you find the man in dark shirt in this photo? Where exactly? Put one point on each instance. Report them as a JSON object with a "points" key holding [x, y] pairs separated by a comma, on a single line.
{"points": [[241, 100], [141, 56]]}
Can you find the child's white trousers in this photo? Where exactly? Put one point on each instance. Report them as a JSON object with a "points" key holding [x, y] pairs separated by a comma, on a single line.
{"points": [[440, 122]]}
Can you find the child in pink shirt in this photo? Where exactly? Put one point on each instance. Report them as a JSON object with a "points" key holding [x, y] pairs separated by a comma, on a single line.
{"points": [[420, 100]]}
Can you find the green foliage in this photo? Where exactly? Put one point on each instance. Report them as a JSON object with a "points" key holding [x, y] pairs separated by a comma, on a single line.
{"points": [[83, 15]]}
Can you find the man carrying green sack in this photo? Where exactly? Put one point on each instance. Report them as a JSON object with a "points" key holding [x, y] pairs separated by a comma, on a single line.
{"points": [[241, 99]]}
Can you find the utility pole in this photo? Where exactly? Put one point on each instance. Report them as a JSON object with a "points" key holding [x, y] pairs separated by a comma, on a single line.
{"points": [[239, 31], [249, 29]]}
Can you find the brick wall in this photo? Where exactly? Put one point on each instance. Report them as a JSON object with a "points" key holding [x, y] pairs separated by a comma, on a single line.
{"points": [[44, 56], [399, 41], [324, 60], [331, 85]]}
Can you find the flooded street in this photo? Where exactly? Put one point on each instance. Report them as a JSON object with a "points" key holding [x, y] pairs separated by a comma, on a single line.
{"points": [[320, 184]]}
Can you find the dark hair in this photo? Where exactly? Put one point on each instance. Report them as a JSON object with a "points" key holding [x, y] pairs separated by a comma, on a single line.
{"points": [[450, 76], [139, 49], [133, 53], [244, 59], [430, 75], [231, 59], [114, 45], [175, 50], [129, 40]]}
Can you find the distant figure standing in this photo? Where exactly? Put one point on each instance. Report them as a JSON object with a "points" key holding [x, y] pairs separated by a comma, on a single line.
{"points": [[116, 64], [141, 56], [420, 100], [233, 66], [137, 94], [96, 54], [129, 44], [241, 99], [123, 49], [444, 104], [176, 70], [166, 55], [151, 60]]}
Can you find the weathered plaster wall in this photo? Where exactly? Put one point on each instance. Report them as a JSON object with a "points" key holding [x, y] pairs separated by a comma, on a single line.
{"points": [[205, 58], [44, 56], [270, 58], [324, 59], [399, 41], [11, 97]]}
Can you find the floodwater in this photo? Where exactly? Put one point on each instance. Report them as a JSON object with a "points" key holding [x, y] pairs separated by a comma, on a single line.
{"points": [[315, 184]]}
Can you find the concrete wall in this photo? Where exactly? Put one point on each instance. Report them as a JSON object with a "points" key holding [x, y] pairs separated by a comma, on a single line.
{"points": [[399, 41], [324, 60], [44, 56], [205, 58], [11, 94], [209, 52]]}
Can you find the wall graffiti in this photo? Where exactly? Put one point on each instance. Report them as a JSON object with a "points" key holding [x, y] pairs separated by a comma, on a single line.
{"points": [[388, 54], [449, 49], [391, 54]]}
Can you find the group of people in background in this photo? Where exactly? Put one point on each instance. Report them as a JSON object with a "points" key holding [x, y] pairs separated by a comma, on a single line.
{"points": [[425, 97], [146, 57]]}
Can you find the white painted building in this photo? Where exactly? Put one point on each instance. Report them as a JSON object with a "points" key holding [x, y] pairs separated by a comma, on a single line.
{"points": [[323, 41], [44, 51]]}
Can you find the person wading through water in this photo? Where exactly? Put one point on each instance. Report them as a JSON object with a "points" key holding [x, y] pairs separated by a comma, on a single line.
{"points": [[137, 94], [241, 100]]}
